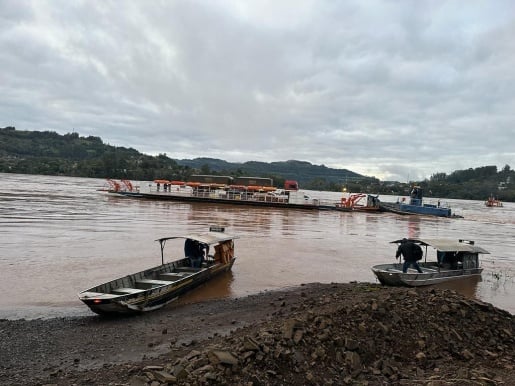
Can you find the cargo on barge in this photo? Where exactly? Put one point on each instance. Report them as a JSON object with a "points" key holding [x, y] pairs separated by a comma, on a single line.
{"points": [[254, 191]]}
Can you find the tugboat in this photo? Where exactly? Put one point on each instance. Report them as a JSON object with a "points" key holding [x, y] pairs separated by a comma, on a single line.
{"points": [[416, 206], [493, 202]]}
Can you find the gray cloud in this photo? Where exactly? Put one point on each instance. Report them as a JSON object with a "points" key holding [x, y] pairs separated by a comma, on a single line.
{"points": [[392, 89]]}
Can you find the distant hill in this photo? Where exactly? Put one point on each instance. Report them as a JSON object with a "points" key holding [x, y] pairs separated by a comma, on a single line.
{"points": [[49, 153], [301, 171], [46, 152]]}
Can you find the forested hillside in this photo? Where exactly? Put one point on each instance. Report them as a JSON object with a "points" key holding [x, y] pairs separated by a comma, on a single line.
{"points": [[308, 175], [46, 152], [478, 183]]}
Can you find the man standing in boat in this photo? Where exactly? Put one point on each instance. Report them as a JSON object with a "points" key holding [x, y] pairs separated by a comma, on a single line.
{"points": [[411, 253]]}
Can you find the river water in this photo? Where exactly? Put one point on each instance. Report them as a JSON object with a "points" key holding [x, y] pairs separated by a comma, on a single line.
{"points": [[59, 235]]}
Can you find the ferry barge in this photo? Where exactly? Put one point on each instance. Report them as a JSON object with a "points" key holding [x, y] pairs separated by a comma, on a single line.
{"points": [[254, 191]]}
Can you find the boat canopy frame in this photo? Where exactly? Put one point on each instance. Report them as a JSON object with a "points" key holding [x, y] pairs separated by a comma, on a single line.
{"points": [[447, 245], [210, 238]]}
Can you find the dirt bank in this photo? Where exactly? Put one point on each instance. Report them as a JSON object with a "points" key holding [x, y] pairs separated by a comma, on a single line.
{"points": [[315, 334]]}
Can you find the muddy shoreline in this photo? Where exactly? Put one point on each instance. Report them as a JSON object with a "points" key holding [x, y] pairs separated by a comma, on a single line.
{"points": [[357, 333]]}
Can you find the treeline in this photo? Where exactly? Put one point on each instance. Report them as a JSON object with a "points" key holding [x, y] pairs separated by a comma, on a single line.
{"points": [[309, 176], [49, 153], [472, 184]]}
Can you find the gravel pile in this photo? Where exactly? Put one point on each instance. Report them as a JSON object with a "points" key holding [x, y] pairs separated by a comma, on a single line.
{"points": [[316, 334], [378, 337]]}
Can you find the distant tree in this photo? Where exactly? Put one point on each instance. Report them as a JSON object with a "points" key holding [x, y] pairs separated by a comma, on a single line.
{"points": [[205, 169], [438, 177]]}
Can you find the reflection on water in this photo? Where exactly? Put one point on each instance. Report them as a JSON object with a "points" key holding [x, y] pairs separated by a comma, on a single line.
{"points": [[467, 287], [58, 236], [219, 287], [413, 227]]}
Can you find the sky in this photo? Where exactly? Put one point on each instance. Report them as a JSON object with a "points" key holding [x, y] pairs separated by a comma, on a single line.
{"points": [[398, 90]]}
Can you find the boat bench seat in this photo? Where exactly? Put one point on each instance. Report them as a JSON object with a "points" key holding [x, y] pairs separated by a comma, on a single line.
{"points": [[183, 274], [187, 269], [90, 294], [126, 291], [150, 283], [172, 276]]}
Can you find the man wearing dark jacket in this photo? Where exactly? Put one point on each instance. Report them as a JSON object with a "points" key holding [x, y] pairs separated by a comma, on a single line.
{"points": [[408, 249], [195, 252]]}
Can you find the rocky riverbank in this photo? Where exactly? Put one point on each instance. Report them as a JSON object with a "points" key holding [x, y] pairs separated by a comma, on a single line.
{"points": [[319, 334]]}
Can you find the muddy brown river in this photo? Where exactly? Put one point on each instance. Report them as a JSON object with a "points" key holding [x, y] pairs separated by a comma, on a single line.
{"points": [[59, 235]]}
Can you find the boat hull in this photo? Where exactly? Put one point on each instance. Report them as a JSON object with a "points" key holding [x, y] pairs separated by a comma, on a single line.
{"points": [[493, 204], [108, 298], [248, 202], [392, 275], [407, 209]]}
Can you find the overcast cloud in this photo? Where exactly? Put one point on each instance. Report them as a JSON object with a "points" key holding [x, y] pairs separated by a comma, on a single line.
{"points": [[392, 89]]}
